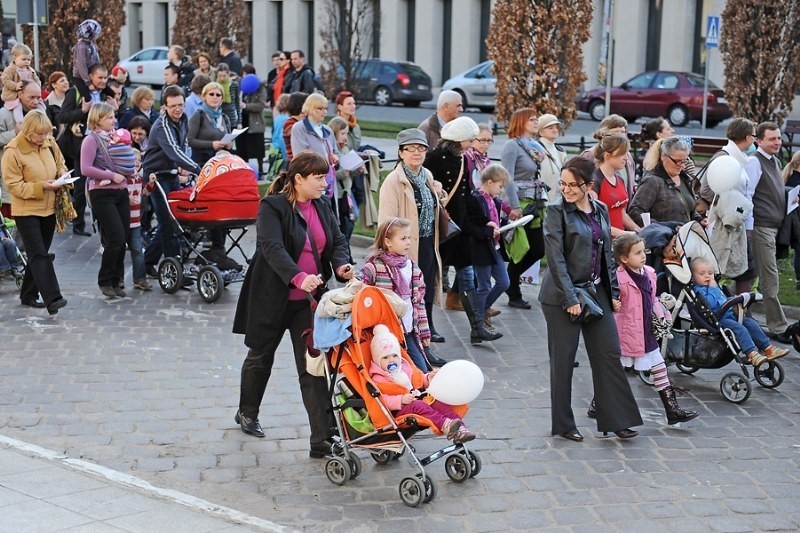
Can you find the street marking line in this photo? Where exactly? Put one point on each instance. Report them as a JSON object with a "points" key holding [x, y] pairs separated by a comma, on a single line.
{"points": [[175, 496]]}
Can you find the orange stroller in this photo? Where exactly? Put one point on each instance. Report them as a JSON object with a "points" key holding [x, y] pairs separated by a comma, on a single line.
{"points": [[365, 422]]}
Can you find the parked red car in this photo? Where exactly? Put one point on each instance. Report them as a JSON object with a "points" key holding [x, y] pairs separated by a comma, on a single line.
{"points": [[676, 96]]}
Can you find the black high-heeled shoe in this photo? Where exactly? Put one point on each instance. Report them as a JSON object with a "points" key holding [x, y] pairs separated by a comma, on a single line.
{"points": [[623, 433], [573, 435]]}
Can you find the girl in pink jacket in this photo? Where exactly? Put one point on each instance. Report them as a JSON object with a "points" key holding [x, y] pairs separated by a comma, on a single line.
{"points": [[638, 343]]}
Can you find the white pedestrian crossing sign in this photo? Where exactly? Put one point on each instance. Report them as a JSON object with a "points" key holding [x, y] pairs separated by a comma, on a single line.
{"points": [[712, 32]]}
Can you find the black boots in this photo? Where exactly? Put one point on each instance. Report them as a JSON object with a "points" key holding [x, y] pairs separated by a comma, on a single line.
{"points": [[674, 412], [478, 330]]}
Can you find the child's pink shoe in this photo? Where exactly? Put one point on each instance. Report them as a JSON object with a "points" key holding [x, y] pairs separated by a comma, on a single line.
{"points": [[451, 428], [463, 436]]}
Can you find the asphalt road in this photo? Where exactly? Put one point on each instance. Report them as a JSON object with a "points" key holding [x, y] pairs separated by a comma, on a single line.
{"points": [[583, 126]]}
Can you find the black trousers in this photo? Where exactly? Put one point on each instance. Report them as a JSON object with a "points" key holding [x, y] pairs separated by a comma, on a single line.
{"points": [[40, 275], [616, 407], [257, 369], [515, 270], [429, 267], [112, 208]]}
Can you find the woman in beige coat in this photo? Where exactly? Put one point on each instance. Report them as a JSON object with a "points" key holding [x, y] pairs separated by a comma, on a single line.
{"points": [[31, 163], [410, 192]]}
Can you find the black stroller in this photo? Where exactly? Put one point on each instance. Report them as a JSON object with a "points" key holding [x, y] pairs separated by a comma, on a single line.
{"points": [[697, 339]]}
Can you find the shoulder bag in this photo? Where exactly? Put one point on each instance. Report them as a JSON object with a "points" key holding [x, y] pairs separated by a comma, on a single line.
{"points": [[447, 228], [590, 308]]}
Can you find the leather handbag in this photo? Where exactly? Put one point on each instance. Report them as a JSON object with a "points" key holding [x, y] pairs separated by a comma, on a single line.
{"points": [[447, 228], [590, 308]]}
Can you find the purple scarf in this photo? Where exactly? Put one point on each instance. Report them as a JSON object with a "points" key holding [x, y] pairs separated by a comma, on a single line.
{"points": [[393, 263]]}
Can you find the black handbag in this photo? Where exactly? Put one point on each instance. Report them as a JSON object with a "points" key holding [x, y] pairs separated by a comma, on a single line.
{"points": [[590, 308]]}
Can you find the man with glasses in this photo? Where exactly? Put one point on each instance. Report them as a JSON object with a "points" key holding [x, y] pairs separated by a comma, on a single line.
{"points": [[167, 157], [30, 98], [739, 266], [766, 188], [448, 107]]}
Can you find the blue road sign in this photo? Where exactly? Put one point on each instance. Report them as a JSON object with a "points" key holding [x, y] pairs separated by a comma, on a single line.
{"points": [[712, 32]]}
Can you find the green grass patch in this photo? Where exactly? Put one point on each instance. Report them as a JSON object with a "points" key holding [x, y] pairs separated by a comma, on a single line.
{"points": [[787, 294]]}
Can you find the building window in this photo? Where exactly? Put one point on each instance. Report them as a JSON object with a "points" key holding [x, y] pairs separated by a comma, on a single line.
{"points": [[653, 51], [486, 17], [310, 43], [447, 36], [411, 8]]}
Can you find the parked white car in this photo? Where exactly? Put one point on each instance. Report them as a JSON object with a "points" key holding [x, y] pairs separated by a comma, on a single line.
{"points": [[146, 67], [477, 86]]}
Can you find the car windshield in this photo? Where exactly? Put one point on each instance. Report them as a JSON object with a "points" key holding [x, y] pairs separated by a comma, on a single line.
{"points": [[642, 81], [696, 80]]}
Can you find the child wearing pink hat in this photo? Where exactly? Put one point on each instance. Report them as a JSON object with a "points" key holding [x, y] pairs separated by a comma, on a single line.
{"points": [[388, 366]]}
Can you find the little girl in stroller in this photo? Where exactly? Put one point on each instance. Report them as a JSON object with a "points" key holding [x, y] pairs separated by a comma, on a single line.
{"points": [[399, 384]]}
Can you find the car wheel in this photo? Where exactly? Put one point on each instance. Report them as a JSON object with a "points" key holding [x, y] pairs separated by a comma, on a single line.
{"points": [[597, 110], [678, 116], [486, 109], [463, 98], [383, 96], [413, 103], [711, 124]]}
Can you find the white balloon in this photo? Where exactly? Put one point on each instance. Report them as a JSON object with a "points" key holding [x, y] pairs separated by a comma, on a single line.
{"points": [[456, 383], [723, 174]]}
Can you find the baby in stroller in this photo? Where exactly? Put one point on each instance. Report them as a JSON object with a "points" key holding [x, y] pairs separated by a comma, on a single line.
{"points": [[748, 334], [388, 367]]}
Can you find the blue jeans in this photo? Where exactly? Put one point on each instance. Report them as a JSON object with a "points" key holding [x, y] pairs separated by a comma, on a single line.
{"points": [[164, 240], [748, 334], [8, 257], [466, 278], [414, 352], [487, 294], [137, 253]]}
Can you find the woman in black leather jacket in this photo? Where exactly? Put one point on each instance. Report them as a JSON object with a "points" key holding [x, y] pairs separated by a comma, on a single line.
{"points": [[577, 236]]}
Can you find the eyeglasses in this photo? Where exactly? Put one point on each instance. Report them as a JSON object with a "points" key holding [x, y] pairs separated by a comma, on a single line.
{"points": [[679, 163], [485, 141], [412, 149], [214, 94], [573, 185]]}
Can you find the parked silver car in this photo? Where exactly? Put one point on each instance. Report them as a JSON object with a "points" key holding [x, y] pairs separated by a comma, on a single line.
{"points": [[477, 86], [146, 67]]}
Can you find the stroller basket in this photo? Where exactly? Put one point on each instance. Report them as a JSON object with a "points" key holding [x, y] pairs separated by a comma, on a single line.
{"points": [[701, 350]]}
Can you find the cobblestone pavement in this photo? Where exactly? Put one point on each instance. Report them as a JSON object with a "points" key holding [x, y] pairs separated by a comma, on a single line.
{"points": [[148, 386]]}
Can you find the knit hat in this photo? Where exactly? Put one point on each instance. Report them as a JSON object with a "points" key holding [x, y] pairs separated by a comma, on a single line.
{"points": [[89, 29], [412, 136], [548, 120], [383, 342], [460, 129]]}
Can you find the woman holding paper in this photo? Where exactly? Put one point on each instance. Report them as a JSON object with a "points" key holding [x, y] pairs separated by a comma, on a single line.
{"points": [[208, 126], [31, 162]]}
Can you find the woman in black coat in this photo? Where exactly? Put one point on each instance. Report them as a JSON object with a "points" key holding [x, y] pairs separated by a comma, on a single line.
{"points": [[577, 237], [298, 248], [448, 166]]}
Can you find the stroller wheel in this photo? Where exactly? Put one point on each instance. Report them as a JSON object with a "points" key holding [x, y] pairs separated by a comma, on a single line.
{"points": [[457, 467], [383, 457], [412, 491], [170, 275], [355, 466], [475, 462], [769, 375], [210, 283], [735, 387], [646, 377], [430, 488], [686, 369], [338, 470]]}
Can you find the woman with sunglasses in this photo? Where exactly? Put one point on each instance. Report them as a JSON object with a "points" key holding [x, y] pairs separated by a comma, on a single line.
{"points": [[577, 236], [666, 188]]}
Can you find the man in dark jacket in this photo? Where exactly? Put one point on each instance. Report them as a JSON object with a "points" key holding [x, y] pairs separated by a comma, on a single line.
{"points": [[167, 157], [301, 77], [73, 115], [229, 57]]}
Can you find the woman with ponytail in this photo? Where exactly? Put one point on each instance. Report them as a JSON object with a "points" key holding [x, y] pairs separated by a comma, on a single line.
{"points": [[298, 248]]}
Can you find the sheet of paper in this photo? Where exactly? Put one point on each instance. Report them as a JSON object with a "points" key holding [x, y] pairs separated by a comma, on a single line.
{"points": [[229, 137], [516, 223], [351, 161], [791, 201], [65, 179]]}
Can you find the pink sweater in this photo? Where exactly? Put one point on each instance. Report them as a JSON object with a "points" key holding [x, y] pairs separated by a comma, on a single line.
{"points": [[307, 263], [630, 318]]}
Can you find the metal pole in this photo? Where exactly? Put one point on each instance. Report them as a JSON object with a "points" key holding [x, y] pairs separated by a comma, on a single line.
{"points": [[609, 54], [35, 35], [705, 86]]}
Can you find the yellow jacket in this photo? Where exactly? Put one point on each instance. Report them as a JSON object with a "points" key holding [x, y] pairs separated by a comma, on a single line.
{"points": [[25, 169]]}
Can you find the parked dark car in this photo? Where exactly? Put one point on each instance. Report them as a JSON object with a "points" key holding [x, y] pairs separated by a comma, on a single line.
{"points": [[676, 96], [386, 82]]}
